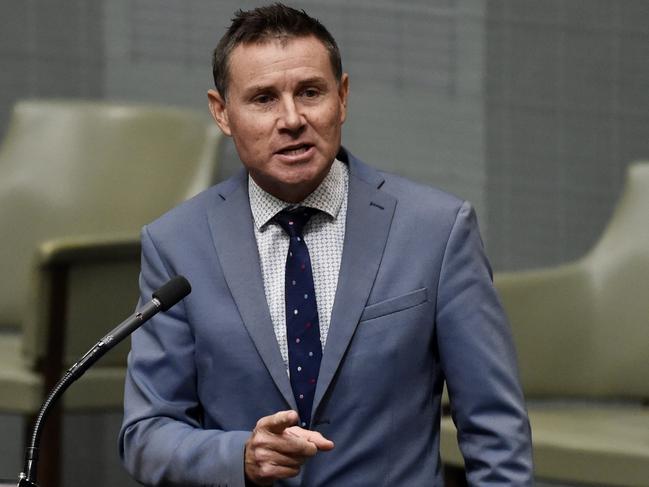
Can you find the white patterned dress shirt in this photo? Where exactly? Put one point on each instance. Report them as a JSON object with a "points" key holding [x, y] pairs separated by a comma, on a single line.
{"points": [[324, 235]]}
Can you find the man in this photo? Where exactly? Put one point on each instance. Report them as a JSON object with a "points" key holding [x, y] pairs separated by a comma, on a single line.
{"points": [[330, 302]]}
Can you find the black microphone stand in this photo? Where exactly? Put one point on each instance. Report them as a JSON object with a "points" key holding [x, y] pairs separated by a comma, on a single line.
{"points": [[28, 476], [163, 298]]}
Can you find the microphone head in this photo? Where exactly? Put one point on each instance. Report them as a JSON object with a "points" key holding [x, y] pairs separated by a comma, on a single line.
{"points": [[173, 291]]}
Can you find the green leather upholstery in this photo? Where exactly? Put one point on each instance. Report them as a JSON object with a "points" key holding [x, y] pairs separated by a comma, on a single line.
{"points": [[582, 335], [77, 182]]}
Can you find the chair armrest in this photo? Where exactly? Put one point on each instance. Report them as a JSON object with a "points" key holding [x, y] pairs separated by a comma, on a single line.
{"points": [[76, 250], [531, 294], [82, 287]]}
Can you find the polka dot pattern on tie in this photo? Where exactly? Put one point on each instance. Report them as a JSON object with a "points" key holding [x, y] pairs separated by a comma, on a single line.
{"points": [[305, 348]]}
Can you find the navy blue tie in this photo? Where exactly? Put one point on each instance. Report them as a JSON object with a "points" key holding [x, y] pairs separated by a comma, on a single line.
{"points": [[302, 324]]}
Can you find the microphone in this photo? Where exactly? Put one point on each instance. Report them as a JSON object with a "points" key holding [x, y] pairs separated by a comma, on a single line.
{"points": [[162, 299]]}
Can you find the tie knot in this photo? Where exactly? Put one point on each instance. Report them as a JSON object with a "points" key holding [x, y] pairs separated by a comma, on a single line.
{"points": [[293, 220]]}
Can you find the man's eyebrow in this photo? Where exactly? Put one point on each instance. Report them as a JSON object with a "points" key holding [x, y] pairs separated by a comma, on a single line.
{"points": [[315, 80], [251, 90], [261, 88]]}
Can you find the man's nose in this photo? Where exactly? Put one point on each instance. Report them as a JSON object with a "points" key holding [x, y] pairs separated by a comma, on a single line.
{"points": [[290, 117]]}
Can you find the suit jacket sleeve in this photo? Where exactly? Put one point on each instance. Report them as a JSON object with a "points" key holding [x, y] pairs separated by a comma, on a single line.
{"points": [[161, 440], [479, 363]]}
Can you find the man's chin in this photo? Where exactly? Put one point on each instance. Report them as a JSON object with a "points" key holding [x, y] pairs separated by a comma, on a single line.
{"points": [[293, 190], [302, 173]]}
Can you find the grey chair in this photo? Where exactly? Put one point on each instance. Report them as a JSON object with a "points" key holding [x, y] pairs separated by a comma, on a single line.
{"points": [[77, 182], [582, 335]]}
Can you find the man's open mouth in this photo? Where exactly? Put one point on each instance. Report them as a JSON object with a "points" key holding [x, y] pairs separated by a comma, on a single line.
{"points": [[295, 150]]}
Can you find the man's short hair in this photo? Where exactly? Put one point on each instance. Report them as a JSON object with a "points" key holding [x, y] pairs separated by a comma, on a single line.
{"points": [[264, 24]]}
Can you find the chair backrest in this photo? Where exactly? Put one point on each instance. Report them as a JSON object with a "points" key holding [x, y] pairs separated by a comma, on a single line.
{"points": [[70, 168], [618, 268], [582, 329]]}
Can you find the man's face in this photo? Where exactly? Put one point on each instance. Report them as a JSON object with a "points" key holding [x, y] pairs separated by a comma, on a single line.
{"points": [[284, 112]]}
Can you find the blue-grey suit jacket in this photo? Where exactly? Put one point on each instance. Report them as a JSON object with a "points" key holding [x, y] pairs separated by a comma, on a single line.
{"points": [[415, 306]]}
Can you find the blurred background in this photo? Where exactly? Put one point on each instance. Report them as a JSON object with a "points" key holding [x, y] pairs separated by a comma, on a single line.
{"points": [[530, 109]]}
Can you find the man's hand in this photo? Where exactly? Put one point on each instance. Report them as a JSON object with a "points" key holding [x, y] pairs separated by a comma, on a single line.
{"points": [[277, 448]]}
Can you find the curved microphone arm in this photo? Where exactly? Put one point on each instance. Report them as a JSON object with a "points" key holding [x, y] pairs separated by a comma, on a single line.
{"points": [[165, 297]]}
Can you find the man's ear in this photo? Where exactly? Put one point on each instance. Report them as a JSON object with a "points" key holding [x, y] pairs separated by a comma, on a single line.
{"points": [[219, 111], [343, 94]]}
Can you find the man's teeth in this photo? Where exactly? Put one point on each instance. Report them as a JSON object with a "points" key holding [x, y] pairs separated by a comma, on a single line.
{"points": [[295, 152]]}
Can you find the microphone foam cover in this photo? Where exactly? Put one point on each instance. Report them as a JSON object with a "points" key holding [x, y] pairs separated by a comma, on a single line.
{"points": [[173, 291]]}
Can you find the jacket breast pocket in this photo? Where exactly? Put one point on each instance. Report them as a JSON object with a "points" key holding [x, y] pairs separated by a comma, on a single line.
{"points": [[392, 305]]}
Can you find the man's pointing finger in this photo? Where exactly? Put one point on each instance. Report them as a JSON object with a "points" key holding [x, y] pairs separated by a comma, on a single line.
{"points": [[278, 422]]}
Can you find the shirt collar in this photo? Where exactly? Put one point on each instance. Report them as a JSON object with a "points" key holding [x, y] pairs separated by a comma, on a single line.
{"points": [[327, 197]]}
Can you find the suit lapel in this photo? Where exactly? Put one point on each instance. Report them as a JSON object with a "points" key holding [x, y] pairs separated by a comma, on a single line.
{"points": [[369, 215], [232, 231]]}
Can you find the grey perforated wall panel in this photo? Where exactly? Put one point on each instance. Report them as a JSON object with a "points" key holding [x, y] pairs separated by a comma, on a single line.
{"points": [[567, 108], [415, 66], [529, 109]]}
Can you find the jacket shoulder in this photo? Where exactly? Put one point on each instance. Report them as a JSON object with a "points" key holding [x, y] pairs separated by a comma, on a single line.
{"points": [[193, 212], [410, 195], [413, 192]]}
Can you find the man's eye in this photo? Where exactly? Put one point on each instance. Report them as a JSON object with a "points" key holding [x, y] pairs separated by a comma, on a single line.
{"points": [[310, 93], [263, 99]]}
